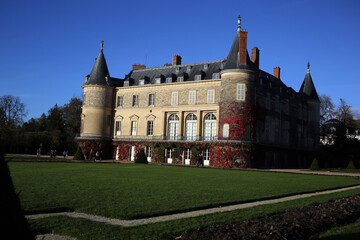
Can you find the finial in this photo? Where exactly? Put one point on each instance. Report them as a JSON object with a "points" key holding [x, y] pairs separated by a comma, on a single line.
{"points": [[308, 65], [239, 23], [102, 45]]}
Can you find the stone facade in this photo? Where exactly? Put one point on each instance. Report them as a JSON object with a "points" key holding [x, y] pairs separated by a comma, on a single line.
{"points": [[230, 111]]}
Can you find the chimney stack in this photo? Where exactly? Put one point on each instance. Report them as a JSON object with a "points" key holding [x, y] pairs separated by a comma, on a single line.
{"points": [[255, 56], [176, 60], [242, 46], [277, 72], [138, 66]]}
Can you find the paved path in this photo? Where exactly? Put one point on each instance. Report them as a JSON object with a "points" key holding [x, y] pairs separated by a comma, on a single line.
{"points": [[136, 222], [302, 171]]}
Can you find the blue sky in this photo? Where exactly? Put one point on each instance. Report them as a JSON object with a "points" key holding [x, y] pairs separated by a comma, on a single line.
{"points": [[48, 47]]}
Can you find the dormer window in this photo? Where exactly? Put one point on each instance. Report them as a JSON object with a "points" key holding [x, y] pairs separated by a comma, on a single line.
{"points": [[126, 83], [188, 68], [206, 66], [216, 75], [180, 78], [141, 81], [157, 80], [169, 80], [198, 77], [177, 69]]}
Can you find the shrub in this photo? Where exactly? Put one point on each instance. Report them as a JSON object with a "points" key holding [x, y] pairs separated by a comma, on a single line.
{"points": [[141, 157], [79, 154], [351, 165], [314, 164]]}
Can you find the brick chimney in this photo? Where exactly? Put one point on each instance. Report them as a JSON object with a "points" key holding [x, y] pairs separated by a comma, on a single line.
{"points": [[277, 72], [176, 60], [242, 46], [138, 66], [255, 56]]}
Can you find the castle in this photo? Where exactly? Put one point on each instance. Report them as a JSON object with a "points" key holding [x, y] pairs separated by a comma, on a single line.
{"points": [[229, 110]]}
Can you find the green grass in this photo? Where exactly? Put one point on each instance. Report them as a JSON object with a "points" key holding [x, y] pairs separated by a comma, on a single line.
{"points": [[348, 232], [85, 230], [10, 157], [129, 191]]}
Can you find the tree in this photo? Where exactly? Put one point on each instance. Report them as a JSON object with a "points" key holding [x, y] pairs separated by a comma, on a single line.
{"points": [[327, 108], [13, 111]]}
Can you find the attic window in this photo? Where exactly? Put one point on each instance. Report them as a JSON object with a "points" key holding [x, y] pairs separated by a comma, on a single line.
{"points": [[141, 81], [198, 77], [126, 83], [216, 75], [188, 68], [206, 66], [177, 69], [157, 80], [180, 78], [222, 66], [169, 80]]}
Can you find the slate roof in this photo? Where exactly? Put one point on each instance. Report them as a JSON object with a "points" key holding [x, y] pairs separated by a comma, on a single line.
{"points": [[99, 71], [232, 61], [171, 73], [308, 88]]}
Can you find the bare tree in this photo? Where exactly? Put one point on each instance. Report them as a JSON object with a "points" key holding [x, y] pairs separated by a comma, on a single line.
{"points": [[327, 108], [343, 112], [13, 110]]}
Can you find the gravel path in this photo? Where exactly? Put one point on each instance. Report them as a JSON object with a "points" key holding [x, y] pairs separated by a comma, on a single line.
{"points": [[136, 222]]}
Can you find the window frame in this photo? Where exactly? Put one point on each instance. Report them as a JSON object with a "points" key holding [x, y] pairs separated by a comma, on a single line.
{"points": [[211, 96], [150, 128], [240, 92], [151, 99], [174, 98], [135, 101], [192, 97]]}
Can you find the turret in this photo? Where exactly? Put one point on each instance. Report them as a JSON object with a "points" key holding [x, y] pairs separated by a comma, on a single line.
{"points": [[311, 97], [237, 91], [96, 120]]}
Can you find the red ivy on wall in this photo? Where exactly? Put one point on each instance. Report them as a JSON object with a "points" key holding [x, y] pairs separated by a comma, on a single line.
{"points": [[227, 157], [238, 116], [123, 153]]}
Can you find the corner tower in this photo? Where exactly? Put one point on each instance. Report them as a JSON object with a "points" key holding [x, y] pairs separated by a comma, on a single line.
{"points": [[96, 117], [236, 106], [308, 91]]}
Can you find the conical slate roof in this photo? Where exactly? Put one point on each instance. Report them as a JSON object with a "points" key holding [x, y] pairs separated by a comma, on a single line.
{"points": [[232, 61], [308, 88], [99, 71]]}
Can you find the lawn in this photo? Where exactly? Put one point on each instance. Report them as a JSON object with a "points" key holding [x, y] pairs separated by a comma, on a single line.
{"points": [[349, 232], [129, 191]]}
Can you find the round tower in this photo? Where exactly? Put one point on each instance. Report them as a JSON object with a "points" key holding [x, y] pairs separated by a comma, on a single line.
{"points": [[237, 92], [97, 101], [96, 116]]}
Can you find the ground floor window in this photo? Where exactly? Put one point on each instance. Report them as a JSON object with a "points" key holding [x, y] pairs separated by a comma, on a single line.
{"points": [[206, 157], [169, 155], [187, 156], [148, 153]]}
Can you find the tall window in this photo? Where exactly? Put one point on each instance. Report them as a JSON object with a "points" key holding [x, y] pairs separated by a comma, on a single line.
{"points": [[192, 97], [187, 156], [173, 127], [135, 100], [133, 128], [210, 127], [240, 93], [148, 152], [150, 126], [174, 98], [151, 99], [119, 101], [117, 128], [206, 157], [211, 96], [191, 126]]}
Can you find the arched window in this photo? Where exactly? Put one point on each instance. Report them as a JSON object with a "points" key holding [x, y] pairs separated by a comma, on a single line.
{"points": [[210, 127], [191, 126], [173, 127]]}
